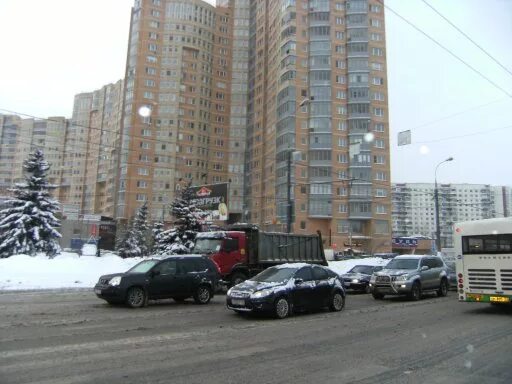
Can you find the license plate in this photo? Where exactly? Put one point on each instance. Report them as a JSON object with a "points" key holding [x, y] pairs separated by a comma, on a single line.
{"points": [[97, 291], [237, 302], [499, 299]]}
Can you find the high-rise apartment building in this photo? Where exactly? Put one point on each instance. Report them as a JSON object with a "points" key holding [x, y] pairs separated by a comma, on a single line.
{"points": [[414, 209], [9, 134], [21, 136], [318, 96], [178, 74], [230, 93]]}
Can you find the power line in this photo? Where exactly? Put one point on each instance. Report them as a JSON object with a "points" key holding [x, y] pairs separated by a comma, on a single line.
{"points": [[446, 49], [459, 113], [467, 37], [463, 136]]}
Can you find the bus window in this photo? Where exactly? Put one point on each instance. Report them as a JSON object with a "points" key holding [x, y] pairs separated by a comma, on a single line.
{"points": [[487, 244]]}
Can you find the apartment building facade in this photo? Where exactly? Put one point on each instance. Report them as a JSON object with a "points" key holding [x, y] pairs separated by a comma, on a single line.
{"points": [[179, 72], [318, 100], [414, 207], [21, 136]]}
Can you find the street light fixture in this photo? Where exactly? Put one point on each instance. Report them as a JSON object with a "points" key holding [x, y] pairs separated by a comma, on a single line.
{"points": [[436, 202]]}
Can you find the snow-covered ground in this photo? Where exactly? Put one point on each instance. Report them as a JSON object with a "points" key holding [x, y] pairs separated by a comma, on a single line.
{"points": [[68, 270]]}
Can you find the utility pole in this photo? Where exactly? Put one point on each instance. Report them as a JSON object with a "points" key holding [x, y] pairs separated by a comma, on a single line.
{"points": [[436, 205], [289, 193]]}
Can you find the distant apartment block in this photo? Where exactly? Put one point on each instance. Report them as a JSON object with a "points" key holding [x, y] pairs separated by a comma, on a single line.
{"points": [[414, 209]]}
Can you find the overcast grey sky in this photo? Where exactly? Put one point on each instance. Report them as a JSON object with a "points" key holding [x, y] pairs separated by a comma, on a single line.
{"points": [[54, 49]]}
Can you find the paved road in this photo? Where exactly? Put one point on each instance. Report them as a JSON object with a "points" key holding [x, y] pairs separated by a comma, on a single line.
{"points": [[72, 337]]}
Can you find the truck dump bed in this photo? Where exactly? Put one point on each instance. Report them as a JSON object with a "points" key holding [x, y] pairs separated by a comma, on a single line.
{"points": [[271, 248]]}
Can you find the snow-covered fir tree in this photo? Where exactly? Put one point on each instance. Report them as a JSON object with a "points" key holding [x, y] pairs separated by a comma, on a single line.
{"points": [[28, 223], [188, 219], [157, 244], [134, 242]]}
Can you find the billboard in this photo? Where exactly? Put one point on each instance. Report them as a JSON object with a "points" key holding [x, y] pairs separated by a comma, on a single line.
{"points": [[404, 242], [212, 198]]}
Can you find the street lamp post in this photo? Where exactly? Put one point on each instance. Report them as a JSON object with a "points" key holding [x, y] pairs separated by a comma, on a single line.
{"points": [[436, 204]]}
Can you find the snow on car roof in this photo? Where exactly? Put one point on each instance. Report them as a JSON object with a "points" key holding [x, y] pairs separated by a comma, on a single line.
{"points": [[292, 265]]}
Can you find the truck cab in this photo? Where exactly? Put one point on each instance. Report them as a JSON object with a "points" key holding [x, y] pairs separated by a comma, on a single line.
{"points": [[226, 248]]}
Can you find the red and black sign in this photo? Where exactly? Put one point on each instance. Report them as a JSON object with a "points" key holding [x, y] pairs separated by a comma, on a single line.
{"points": [[212, 198]]}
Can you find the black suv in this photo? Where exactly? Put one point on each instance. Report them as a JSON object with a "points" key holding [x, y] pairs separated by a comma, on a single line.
{"points": [[177, 277]]}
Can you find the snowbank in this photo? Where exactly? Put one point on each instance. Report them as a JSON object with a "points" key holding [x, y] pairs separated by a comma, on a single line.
{"points": [[66, 270], [341, 267]]}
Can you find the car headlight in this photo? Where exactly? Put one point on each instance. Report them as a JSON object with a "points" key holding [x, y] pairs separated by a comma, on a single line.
{"points": [[355, 280], [401, 278], [115, 281], [229, 291], [262, 293]]}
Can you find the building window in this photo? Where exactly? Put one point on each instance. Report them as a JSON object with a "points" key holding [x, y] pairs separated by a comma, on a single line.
{"points": [[380, 192], [141, 197], [375, 23], [377, 66], [379, 127], [377, 52], [381, 227], [342, 158], [342, 126], [341, 95], [378, 81], [380, 209], [375, 8], [339, 35], [379, 159], [143, 171], [342, 208], [378, 96], [142, 184], [378, 112], [380, 176], [302, 225]]}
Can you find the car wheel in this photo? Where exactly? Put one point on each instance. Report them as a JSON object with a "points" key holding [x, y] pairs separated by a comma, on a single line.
{"points": [[443, 288], [337, 302], [281, 308], [377, 296], [203, 295], [237, 278], [136, 297], [415, 292]]}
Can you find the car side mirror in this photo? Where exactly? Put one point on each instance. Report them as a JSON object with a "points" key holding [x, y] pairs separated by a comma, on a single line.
{"points": [[424, 268], [154, 273], [298, 281]]}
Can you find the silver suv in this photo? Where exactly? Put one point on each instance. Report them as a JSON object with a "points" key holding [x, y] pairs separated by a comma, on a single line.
{"points": [[410, 275]]}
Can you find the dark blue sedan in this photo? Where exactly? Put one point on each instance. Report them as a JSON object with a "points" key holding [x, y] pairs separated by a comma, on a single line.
{"points": [[284, 289]]}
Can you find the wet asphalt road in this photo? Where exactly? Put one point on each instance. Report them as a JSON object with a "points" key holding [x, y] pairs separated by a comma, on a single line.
{"points": [[53, 337]]}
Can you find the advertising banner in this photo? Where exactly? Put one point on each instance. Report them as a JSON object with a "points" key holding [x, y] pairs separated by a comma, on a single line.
{"points": [[214, 199], [405, 242]]}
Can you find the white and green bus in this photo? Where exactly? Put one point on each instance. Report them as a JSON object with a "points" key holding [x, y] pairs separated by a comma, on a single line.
{"points": [[484, 260]]}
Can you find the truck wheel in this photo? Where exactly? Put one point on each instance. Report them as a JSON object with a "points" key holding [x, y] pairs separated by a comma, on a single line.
{"points": [[415, 293], [337, 302], [237, 278], [136, 297], [203, 295], [443, 288], [377, 296], [281, 308]]}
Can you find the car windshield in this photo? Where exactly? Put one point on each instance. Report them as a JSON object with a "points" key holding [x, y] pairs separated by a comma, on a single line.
{"points": [[143, 266], [365, 269], [403, 264], [275, 275], [207, 245]]}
